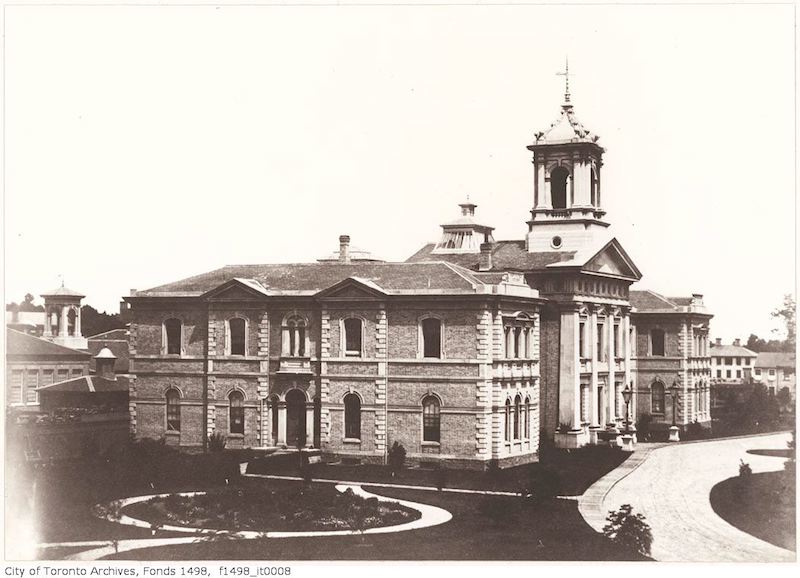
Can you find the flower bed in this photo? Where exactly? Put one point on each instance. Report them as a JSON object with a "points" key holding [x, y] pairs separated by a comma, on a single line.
{"points": [[262, 508]]}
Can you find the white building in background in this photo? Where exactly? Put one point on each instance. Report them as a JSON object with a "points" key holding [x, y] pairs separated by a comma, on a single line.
{"points": [[731, 363]]}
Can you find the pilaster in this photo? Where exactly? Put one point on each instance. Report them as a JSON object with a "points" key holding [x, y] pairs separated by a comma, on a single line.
{"points": [[263, 379], [381, 393], [324, 381]]}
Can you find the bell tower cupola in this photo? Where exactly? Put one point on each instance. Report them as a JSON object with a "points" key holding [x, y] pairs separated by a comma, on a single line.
{"points": [[567, 209]]}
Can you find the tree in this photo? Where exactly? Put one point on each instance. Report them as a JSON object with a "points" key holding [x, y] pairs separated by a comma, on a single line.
{"points": [[629, 530], [94, 322], [786, 314]]}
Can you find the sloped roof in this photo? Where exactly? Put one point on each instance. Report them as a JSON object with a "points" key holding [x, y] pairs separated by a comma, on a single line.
{"points": [[767, 359], [730, 351], [310, 278], [62, 292], [87, 384], [114, 334], [18, 343], [506, 255], [648, 301]]}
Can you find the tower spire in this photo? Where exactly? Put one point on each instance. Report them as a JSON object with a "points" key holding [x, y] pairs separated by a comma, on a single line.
{"points": [[565, 74]]}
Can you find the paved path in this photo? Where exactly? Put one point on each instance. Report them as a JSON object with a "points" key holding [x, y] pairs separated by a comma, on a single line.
{"points": [[671, 486]]}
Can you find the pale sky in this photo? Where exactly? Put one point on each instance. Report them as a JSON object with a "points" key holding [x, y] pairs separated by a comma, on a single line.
{"points": [[144, 144]]}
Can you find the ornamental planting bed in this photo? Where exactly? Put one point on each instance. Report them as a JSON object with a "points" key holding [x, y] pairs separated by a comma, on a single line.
{"points": [[272, 508]]}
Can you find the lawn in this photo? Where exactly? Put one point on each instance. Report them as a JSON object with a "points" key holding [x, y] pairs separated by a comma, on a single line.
{"points": [[482, 528], [576, 470], [763, 507]]}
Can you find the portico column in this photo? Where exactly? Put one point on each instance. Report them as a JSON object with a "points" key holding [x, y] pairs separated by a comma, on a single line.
{"points": [[310, 424], [63, 330], [282, 423], [285, 342], [612, 386], [48, 314], [569, 410], [596, 409], [78, 322]]}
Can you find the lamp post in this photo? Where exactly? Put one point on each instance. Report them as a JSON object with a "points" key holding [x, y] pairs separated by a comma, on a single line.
{"points": [[675, 391], [627, 393]]}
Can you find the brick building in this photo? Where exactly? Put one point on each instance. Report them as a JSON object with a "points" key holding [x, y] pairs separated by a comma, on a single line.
{"points": [[671, 335], [464, 353]]}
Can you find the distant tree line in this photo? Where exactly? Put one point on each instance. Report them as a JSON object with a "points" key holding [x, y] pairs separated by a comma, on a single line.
{"points": [[786, 315]]}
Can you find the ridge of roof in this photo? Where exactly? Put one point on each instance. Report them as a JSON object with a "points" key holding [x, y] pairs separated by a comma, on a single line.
{"points": [[19, 343]]}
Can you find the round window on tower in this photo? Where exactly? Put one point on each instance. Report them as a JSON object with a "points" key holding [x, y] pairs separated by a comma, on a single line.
{"points": [[556, 242]]}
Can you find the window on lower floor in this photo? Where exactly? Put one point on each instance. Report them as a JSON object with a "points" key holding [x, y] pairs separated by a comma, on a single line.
{"points": [[738, 373], [31, 383], [772, 372], [16, 386], [727, 373], [526, 430], [508, 421], [431, 420], [63, 374], [274, 415], [719, 373], [173, 410], [658, 397], [236, 423], [352, 416]]}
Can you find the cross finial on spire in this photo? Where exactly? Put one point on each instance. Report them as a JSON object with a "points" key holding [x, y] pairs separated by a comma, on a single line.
{"points": [[565, 74]]}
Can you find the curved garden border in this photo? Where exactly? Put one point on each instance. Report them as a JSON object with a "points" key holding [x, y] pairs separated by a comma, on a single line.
{"points": [[429, 516]]}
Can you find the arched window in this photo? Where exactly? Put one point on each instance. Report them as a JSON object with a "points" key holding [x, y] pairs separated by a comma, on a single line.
{"points": [[431, 337], [517, 411], [527, 430], [657, 393], [558, 187], [295, 336], [238, 336], [72, 317], [352, 416], [508, 421], [431, 421], [236, 418], [173, 330], [173, 410], [353, 331], [657, 342]]}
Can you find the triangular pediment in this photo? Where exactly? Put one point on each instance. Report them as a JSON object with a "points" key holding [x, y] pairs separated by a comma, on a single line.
{"points": [[237, 289], [352, 289], [612, 260]]}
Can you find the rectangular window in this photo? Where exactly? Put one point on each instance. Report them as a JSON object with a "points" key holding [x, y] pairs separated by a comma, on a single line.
{"points": [[48, 377], [63, 374], [16, 386], [601, 353], [738, 359], [582, 339], [431, 337], [719, 373], [352, 337], [617, 344], [772, 372], [757, 372], [77, 372], [738, 373], [31, 383], [728, 361], [728, 373]]}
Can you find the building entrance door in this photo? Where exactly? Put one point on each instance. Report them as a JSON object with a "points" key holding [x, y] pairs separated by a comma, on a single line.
{"points": [[295, 418]]}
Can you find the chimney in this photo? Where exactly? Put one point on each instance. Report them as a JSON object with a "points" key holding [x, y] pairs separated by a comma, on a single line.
{"points": [[718, 341], [697, 299], [344, 249], [737, 342], [104, 364], [486, 257]]}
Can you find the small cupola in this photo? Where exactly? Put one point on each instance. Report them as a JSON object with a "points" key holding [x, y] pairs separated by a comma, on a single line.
{"points": [[465, 234], [104, 364]]}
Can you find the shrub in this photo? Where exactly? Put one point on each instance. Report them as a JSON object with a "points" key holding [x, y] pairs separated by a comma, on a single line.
{"points": [[695, 431], [745, 471], [216, 442], [564, 427], [396, 457], [629, 530]]}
